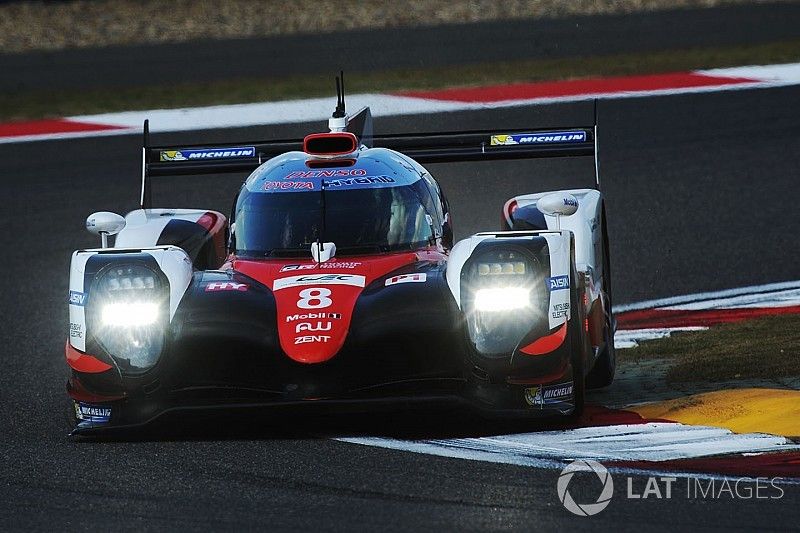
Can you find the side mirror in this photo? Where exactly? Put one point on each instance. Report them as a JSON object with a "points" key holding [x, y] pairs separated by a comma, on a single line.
{"points": [[105, 223], [558, 204]]}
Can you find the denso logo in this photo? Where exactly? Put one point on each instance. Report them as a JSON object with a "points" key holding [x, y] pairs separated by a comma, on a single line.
{"points": [[558, 282], [77, 298], [337, 173], [309, 316]]}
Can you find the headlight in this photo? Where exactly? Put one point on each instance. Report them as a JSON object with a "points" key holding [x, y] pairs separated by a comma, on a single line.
{"points": [[129, 309], [129, 314], [502, 299], [501, 269]]}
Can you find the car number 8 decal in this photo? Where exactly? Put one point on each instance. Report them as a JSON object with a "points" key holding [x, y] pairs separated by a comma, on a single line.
{"points": [[314, 298]]}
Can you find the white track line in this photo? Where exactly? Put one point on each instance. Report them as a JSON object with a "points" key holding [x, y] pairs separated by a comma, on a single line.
{"points": [[707, 297], [318, 109]]}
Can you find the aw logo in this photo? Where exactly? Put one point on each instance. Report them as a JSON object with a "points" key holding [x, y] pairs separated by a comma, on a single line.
{"points": [[585, 509]]}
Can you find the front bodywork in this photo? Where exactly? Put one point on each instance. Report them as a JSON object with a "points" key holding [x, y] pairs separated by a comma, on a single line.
{"points": [[361, 328]]}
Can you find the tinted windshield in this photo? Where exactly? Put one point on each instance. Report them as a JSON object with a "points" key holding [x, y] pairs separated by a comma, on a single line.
{"points": [[357, 221]]}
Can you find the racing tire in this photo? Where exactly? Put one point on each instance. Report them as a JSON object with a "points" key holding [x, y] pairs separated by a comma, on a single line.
{"points": [[579, 348], [602, 373]]}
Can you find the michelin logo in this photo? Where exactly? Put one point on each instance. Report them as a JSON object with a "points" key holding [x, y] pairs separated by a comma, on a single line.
{"points": [[548, 137], [92, 413], [208, 153]]}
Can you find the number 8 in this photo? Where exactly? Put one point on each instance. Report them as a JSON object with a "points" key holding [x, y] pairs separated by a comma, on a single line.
{"points": [[309, 295]]}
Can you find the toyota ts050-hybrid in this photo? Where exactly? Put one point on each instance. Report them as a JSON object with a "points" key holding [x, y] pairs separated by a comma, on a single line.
{"points": [[335, 281]]}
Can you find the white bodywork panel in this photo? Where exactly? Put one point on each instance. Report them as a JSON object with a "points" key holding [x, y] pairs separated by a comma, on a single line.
{"points": [[143, 227], [585, 225], [558, 244], [172, 261]]}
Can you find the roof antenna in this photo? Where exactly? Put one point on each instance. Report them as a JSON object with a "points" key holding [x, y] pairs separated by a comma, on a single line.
{"points": [[338, 121]]}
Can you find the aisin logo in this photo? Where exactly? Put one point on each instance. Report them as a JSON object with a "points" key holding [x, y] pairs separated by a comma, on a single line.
{"points": [[585, 509]]}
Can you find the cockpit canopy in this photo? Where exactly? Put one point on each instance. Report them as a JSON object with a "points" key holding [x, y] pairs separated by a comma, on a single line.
{"points": [[379, 202]]}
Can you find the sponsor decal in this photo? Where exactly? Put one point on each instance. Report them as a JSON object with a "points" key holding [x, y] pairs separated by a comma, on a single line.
{"points": [[317, 326], [311, 338], [546, 137], [557, 392], [573, 202], [407, 278], [309, 316], [560, 310], [340, 265], [556, 283], [336, 173], [319, 279], [533, 396], [542, 395], [359, 181], [77, 298], [288, 185], [75, 330], [92, 413], [312, 266], [288, 268], [216, 286], [207, 153]]}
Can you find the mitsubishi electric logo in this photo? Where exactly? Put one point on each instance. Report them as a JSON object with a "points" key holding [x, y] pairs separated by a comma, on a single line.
{"points": [[603, 499]]}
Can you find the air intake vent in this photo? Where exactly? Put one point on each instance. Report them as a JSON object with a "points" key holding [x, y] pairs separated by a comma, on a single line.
{"points": [[330, 144]]}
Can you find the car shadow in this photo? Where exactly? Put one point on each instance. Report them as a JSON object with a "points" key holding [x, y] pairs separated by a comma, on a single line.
{"points": [[404, 424]]}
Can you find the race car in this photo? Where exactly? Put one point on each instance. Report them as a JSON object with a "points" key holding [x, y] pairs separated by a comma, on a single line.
{"points": [[335, 282]]}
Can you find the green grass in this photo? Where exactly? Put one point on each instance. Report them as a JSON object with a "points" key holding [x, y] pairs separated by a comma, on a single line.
{"points": [[49, 103], [765, 348]]}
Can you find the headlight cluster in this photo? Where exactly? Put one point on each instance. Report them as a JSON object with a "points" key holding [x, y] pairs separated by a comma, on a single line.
{"points": [[503, 299], [501, 269], [129, 305]]}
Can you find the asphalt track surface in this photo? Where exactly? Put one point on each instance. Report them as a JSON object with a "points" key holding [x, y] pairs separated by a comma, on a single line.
{"points": [[433, 47], [702, 194]]}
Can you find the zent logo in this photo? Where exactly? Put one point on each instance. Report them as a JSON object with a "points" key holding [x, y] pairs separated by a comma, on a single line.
{"points": [[216, 286], [312, 338], [557, 283], [316, 298]]}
